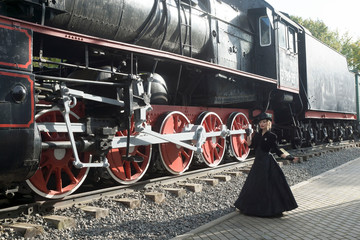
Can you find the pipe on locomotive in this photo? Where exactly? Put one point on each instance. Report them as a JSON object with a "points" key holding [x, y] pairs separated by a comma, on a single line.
{"points": [[141, 22]]}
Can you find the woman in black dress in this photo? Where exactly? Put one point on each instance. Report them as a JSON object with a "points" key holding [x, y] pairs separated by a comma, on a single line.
{"points": [[266, 192]]}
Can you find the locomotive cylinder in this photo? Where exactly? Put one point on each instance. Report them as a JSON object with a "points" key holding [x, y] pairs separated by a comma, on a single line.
{"points": [[147, 23]]}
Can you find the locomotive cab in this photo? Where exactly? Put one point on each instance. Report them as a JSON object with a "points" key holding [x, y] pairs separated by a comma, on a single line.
{"points": [[277, 57], [276, 47]]}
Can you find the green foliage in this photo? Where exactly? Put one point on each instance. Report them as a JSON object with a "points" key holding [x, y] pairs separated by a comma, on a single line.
{"points": [[37, 63], [352, 52], [343, 44]]}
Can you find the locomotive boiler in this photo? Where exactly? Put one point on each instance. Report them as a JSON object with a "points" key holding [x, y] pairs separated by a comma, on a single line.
{"points": [[103, 89]]}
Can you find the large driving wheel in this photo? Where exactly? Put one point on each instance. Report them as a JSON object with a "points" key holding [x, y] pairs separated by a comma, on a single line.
{"points": [[239, 148], [214, 147], [128, 171], [57, 177], [176, 159]]}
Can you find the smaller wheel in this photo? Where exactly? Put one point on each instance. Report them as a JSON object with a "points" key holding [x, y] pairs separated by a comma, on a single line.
{"points": [[310, 137], [213, 147], [176, 159], [128, 171], [332, 135], [297, 141], [312, 143], [316, 136], [239, 148]]}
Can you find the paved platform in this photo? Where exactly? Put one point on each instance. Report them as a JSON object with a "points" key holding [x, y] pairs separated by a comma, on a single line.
{"points": [[329, 208]]}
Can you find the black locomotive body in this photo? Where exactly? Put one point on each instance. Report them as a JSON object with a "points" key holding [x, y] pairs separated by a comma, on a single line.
{"points": [[131, 87], [20, 141]]}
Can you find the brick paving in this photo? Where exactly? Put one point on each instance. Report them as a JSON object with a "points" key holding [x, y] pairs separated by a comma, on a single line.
{"points": [[329, 208]]}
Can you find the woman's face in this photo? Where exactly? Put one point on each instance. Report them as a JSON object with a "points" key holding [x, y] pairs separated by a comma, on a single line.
{"points": [[264, 124]]}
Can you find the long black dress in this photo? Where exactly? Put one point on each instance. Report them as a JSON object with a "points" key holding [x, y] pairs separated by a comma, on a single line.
{"points": [[266, 192]]}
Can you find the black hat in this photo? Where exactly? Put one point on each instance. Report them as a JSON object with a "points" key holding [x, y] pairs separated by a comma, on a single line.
{"points": [[263, 116]]}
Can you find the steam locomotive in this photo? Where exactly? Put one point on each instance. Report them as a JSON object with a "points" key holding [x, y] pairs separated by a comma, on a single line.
{"points": [[129, 87]]}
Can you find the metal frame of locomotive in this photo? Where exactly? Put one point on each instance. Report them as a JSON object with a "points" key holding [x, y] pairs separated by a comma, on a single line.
{"points": [[75, 102]]}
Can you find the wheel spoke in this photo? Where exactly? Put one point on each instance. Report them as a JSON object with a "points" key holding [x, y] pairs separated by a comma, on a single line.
{"points": [[46, 158], [175, 123], [143, 155], [206, 126], [243, 150], [185, 154], [237, 125], [58, 180], [207, 147], [182, 126], [240, 149], [219, 146], [216, 154], [137, 167], [48, 175], [212, 123], [132, 126], [71, 175], [127, 168]]}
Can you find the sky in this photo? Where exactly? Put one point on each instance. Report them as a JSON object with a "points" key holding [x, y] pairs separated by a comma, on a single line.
{"points": [[342, 16]]}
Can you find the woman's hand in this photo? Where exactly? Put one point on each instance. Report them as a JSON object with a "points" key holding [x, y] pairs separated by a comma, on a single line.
{"points": [[291, 158], [296, 160], [248, 140], [248, 132]]}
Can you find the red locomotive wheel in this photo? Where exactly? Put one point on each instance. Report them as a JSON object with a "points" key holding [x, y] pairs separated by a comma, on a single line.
{"points": [[214, 147], [176, 159], [129, 171], [57, 177], [238, 145]]}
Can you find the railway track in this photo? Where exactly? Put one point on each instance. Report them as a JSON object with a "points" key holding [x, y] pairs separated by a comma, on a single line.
{"points": [[11, 215], [84, 197]]}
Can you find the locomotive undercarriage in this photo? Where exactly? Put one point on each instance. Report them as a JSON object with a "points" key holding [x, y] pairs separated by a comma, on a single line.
{"points": [[310, 132], [303, 128], [326, 131], [82, 129], [95, 145]]}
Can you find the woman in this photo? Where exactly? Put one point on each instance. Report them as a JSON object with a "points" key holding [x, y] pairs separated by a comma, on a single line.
{"points": [[265, 192]]}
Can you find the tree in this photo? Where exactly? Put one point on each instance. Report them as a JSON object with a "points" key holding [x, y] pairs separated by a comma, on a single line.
{"points": [[352, 52], [343, 44]]}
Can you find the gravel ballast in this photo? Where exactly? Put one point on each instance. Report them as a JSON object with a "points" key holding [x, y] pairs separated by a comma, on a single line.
{"points": [[175, 216]]}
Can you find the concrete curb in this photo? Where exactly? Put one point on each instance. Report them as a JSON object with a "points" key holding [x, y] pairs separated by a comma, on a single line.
{"points": [[206, 226]]}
